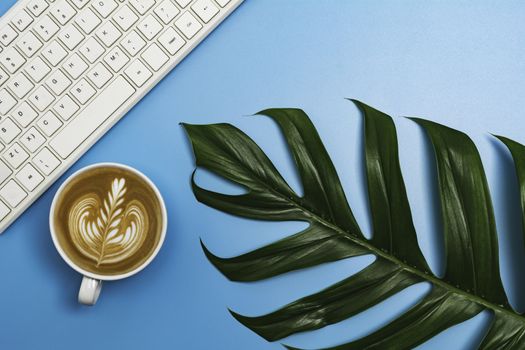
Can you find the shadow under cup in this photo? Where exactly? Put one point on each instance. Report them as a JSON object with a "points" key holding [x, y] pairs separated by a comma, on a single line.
{"points": [[108, 220]]}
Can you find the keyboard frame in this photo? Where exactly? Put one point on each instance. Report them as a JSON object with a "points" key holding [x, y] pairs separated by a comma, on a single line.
{"points": [[117, 115]]}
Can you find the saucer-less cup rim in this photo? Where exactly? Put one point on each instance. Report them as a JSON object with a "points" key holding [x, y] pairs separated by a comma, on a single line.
{"points": [[91, 274]]}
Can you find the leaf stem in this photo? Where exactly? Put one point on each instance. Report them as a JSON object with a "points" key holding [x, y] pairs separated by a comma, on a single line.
{"points": [[378, 252]]}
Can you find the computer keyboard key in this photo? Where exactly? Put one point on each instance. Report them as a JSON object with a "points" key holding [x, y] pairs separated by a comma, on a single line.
{"points": [[188, 25], [37, 7], [155, 57], [46, 161], [92, 50], [37, 69], [7, 102], [222, 3], [15, 155], [75, 66], [3, 77], [87, 21], [80, 3], [32, 139], [4, 210], [167, 11], [116, 59], [8, 130], [104, 7], [20, 85], [171, 41], [12, 193], [7, 34], [82, 91], [71, 37], [62, 11], [183, 3], [54, 53], [29, 44], [5, 171], [24, 114], [21, 20], [125, 18], [29, 177], [88, 120], [46, 28], [99, 75], [108, 34], [150, 27], [41, 98], [11, 60], [49, 123], [142, 6], [133, 43], [66, 107], [205, 9], [58, 82], [138, 73]]}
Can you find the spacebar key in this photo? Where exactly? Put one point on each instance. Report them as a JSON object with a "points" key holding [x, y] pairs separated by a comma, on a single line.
{"points": [[96, 113]]}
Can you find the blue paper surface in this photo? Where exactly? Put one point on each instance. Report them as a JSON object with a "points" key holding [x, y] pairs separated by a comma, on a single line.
{"points": [[457, 63]]}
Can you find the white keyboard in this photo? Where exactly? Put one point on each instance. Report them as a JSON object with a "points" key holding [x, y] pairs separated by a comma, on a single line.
{"points": [[70, 69]]}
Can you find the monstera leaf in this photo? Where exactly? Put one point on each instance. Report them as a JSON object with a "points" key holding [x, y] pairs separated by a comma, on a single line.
{"points": [[471, 282]]}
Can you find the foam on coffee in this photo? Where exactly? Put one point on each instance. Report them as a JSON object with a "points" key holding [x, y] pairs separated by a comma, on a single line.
{"points": [[108, 220]]}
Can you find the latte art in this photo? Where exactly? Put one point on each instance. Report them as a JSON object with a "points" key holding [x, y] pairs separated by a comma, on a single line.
{"points": [[108, 220], [110, 230]]}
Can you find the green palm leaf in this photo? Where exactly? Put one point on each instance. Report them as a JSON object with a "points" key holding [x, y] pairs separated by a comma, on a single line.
{"points": [[471, 282]]}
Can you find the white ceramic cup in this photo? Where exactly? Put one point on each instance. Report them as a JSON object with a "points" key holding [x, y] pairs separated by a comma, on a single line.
{"points": [[91, 282]]}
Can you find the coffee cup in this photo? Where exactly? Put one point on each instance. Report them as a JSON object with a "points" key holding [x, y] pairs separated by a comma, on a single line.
{"points": [[108, 221]]}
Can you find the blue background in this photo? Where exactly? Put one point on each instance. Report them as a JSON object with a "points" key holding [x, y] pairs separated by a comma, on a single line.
{"points": [[458, 63]]}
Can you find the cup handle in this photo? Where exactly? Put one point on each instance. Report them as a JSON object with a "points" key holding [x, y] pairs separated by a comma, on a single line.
{"points": [[89, 291]]}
